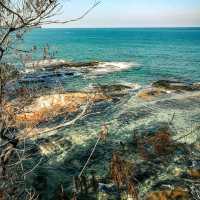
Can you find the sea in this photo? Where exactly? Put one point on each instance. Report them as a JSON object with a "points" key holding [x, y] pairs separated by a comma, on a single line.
{"points": [[159, 53], [127, 56]]}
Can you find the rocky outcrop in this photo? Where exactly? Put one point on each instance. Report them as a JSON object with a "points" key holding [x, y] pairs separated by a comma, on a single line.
{"points": [[175, 85], [82, 64], [41, 108], [91, 67], [55, 63], [45, 107], [115, 90], [151, 93], [161, 88]]}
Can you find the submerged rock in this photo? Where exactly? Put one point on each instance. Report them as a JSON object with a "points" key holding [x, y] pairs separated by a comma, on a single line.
{"points": [[113, 88], [152, 129], [50, 147], [44, 77], [108, 189], [190, 101], [136, 114]]}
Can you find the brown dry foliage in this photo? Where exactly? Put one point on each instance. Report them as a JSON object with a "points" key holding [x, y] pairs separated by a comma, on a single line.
{"points": [[122, 174], [132, 191], [170, 194], [194, 173], [161, 144], [121, 170], [2, 195]]}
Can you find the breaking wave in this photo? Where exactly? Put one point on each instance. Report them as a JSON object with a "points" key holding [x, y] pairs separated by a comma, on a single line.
{"points": [[109, 67]]}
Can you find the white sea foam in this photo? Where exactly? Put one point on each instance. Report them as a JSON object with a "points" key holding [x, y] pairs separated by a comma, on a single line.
{"points": [[134, 86], [32, 66], [27, 70], [109, 67], [44, 63]]}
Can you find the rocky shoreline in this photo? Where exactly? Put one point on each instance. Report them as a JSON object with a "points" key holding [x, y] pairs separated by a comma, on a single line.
{"points": [[148, 132]]}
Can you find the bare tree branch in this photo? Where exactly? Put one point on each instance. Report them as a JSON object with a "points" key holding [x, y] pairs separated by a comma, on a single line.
{"points": [[78, 117], [16, 18], [96, 3]]}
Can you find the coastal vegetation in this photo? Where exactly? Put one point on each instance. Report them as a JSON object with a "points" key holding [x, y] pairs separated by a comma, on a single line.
{"points": [[103, 141]]}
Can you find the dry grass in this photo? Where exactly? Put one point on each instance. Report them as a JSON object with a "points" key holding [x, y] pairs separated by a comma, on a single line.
{"points": [[121, 170], [122, 174]]}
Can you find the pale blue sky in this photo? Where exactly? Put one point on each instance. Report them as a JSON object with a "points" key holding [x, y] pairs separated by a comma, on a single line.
{"points": [[134, 13]]}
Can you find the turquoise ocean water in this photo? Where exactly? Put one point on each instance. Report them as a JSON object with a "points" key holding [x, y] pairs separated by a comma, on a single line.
{"points": [[162, 53]]}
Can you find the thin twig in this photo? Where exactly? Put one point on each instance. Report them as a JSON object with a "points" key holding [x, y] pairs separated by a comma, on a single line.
{"points": [[88, 160]]}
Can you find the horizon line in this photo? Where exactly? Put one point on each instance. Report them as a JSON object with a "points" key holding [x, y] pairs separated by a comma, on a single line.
{"points": [[113, 27]]}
